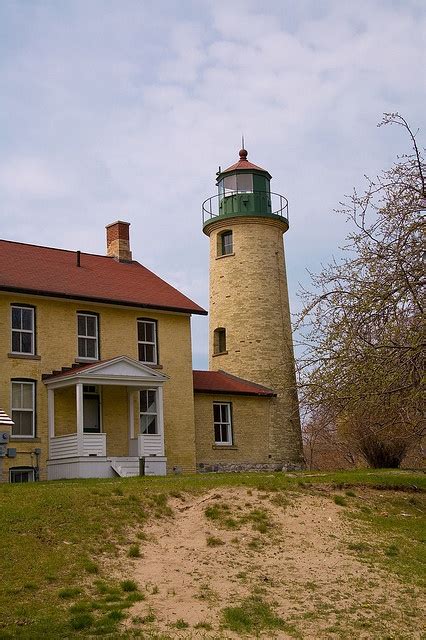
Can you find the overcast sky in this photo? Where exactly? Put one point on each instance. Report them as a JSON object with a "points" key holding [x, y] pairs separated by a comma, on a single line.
{"points": [[123, 109]]}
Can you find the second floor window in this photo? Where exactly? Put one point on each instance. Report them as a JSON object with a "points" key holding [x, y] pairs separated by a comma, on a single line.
{"points": [[88, 341], [147, 341], [23, 330]]}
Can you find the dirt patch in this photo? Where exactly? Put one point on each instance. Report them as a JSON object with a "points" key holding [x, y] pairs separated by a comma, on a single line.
{"points": [[288, 549]]}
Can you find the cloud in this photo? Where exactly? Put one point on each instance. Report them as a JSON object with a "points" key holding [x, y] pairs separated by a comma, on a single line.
{"points": [[126, 110]]}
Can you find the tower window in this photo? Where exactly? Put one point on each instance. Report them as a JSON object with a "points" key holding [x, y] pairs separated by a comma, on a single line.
{"points": [[225, 245], [219, 340]]}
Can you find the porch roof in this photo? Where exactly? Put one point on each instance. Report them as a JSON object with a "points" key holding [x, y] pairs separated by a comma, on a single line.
{"points": [[121, 370]]}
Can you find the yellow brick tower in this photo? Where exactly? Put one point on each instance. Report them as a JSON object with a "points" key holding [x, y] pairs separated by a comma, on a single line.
{"points": [[250, 331]]}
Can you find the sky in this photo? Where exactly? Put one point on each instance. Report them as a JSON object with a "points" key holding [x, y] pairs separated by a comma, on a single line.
{"points": [[124, 109]]}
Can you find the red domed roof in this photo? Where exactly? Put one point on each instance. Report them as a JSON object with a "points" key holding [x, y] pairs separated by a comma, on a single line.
{"points": [[243, 165]]}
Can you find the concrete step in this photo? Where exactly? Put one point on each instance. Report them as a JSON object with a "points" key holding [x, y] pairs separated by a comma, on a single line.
{"points": [[125, 467]]}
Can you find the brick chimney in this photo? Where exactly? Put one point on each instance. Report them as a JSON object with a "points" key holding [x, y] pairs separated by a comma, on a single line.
{"points": [[118, 243]]}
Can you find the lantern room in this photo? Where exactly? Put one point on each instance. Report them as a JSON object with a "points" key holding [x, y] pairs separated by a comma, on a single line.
{"points": [[244, 190]]}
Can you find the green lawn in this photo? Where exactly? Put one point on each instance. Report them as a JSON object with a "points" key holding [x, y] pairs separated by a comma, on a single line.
{"points": [[57, 538]]}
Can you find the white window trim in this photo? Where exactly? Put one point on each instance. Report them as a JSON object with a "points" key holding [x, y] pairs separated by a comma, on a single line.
{"points": [[157, 413], [31, 331], [14, 435], [21, 469], [220, 253], [87, 314], [147, 342], [229, 441]]}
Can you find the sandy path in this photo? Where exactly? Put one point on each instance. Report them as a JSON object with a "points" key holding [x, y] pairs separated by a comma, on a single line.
{"points": [[301, 565]]}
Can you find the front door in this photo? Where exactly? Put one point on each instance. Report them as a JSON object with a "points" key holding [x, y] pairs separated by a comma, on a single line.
{"points": [[91, 413]]}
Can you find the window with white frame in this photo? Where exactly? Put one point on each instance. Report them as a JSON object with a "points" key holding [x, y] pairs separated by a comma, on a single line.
{"points": [[21, 474], [23, 409], [87, 335], [225, 245], [222, 421], [148, 416], [23, 322], [147, 341]]}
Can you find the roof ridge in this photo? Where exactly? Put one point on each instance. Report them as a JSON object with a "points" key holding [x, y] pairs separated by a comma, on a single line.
{"points": [[43, 246]]}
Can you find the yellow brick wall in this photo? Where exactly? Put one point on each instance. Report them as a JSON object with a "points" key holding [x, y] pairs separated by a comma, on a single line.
{"points": [[56, 339], [249, 298], [65, 411], [250, 426]]}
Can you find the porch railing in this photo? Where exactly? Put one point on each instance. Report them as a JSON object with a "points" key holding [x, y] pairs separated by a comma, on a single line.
{"points": [[94, 444], [146, 445]]}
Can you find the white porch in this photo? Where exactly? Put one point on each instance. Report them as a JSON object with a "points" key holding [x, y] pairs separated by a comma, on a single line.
{"points": [[82, 454]]}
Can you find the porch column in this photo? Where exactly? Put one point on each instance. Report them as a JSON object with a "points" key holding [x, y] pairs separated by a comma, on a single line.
{"points": [[80, 422], [51, 417], [160, 416], [131, 398]]}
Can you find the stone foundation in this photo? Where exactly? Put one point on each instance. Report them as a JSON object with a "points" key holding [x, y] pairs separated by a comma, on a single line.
{"points": [[227, 467]]}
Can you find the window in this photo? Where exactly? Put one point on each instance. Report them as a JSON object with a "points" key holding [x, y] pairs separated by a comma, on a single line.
{"points": [[147, 341], [219, 340], [148, 412], [21, 474], [87, 332], [225, 246], [23, 330], [23, 414], [222, 422], [245, 182]]}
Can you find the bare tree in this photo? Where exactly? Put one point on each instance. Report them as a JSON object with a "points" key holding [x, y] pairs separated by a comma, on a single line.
{"points": [[363, 321]]}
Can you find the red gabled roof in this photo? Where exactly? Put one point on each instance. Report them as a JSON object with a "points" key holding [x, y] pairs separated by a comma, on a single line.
{"points": [[76, 367], [46, 271], [222, 382]]}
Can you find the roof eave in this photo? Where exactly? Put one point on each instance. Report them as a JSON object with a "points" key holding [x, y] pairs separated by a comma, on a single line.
{"points": [[126, 303], [227, 392]]}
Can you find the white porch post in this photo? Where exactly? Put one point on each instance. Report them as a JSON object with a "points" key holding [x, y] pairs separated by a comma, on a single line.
{"points": [[80, 422], [51, 417], [131, 396], [161, 416]]}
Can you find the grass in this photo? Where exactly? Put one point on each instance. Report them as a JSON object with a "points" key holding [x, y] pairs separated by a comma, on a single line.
{"points": [[253, 616], [213, 541], [134, 551], [75, 528], [181, 624]]}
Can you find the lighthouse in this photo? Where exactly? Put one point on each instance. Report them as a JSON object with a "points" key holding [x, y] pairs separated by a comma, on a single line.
{"points": [[249, 328]]}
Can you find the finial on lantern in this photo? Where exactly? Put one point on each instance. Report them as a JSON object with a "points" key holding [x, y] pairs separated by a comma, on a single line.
{"points": [[243, 153]]}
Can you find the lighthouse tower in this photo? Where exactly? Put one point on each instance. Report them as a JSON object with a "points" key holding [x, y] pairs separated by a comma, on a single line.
{"points": [[250, 330]]}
